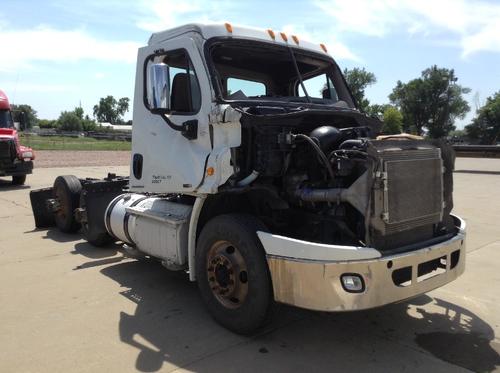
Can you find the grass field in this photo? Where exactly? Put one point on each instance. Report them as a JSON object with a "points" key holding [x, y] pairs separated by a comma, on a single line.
{"points": [[72, 143]]}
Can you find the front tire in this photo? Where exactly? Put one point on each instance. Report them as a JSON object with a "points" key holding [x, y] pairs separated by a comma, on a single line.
{"points": [[18, 180], [232, 272]]}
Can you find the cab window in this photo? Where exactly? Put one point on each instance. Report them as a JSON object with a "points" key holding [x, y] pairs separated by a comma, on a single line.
{"points": [[6, 119], [184, 95], [249, 88], [319, 86]]}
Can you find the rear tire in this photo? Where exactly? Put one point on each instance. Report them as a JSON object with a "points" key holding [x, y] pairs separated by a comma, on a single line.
{"points": [[18, 180], [93, 236], [232, 272], [67, 191]]}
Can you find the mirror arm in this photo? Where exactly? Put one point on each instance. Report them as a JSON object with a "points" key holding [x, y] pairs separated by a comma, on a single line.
{"points": [[171, 124], [188, 129]]}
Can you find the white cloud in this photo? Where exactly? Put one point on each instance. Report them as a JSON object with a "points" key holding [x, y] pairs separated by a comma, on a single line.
{"points": [[334, 46], [487, 39], [29, 46], [164, 14], [475, 24], [372, 18], [38, 88]]}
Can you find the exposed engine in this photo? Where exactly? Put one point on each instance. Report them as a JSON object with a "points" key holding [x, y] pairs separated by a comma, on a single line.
{"points": [[339, 185]]}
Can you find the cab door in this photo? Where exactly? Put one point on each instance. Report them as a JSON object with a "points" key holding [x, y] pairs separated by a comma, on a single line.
{"points": [[170, 136]]}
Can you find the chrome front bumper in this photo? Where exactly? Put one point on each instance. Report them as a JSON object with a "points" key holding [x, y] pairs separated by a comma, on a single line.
{"points": [[316, 284]]}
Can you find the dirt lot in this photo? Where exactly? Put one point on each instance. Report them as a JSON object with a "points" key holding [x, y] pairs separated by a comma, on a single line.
{"points": [[69, 307], [64, 158]]}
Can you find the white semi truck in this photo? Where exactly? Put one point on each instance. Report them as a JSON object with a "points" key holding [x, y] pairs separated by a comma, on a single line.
{"points": [[253, 170]]}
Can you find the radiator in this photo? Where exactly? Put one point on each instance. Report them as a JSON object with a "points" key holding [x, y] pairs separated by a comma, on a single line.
{"points": [[408, 191]]}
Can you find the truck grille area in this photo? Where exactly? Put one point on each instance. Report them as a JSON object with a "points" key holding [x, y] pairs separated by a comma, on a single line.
{"points": [[408, 190], [414, 194], [7, 150]]}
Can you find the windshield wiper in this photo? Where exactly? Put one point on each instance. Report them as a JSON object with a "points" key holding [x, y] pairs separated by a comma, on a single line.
{"points": [[298, 75]]}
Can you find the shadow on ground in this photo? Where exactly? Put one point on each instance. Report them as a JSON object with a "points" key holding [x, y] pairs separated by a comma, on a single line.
{"points": [[170, 326], [103, 255], [92, 252], [56, 235], [6, 185]]}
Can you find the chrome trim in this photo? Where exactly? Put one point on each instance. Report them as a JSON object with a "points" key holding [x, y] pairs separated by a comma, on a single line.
{"points": [[316, 285], [291, 248]]}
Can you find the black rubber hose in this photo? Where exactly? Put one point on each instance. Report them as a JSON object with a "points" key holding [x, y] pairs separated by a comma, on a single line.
{"points": [[318, 150], [351, 151]]}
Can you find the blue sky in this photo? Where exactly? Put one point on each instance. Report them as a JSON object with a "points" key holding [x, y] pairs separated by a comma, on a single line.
{"points": [[57, 54]]}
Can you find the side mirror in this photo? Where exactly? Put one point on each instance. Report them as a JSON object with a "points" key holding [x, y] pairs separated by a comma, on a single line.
{"points": [[329, 93], [159, 87], [22, 120]]}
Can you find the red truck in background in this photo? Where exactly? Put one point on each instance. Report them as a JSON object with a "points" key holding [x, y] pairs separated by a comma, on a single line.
{"points": [[16, 160]]}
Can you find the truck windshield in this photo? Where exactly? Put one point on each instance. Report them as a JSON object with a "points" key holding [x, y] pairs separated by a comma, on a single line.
{"points": [[6, 119], [251, 70]]}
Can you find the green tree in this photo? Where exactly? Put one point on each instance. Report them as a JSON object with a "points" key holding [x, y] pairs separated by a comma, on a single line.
{"points": [[485, 127], [432, 102], [88, 124], [76, 120], [47, 123], [358, 80], [110, 110], [393, 121], [69, 121], [377, 110], [78, 112], [458, 134], [30, 114]]}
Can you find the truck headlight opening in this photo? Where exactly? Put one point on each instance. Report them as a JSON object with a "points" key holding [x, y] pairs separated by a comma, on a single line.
{"points": [[352, 283]]}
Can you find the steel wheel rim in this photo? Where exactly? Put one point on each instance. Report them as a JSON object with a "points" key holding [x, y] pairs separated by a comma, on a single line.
{"points": [[227, 274], [63, 202]]}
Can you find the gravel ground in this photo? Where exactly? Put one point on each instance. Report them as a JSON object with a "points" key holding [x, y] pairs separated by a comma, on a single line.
{"points": [[63, 158]]}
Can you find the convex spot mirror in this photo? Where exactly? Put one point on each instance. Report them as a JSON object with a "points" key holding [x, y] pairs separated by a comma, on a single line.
{"points": [[159, 87]]}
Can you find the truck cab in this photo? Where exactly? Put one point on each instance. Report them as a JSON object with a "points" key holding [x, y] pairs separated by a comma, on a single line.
{"points": [[16, 160], [254, 170]]}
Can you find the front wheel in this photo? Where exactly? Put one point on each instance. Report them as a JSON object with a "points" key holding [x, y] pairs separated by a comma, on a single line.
{"points": [[232, 273], [18, 180]]}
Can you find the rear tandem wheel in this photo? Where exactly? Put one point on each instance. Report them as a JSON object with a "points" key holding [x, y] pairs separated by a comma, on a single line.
{"points": [[67, 191]]}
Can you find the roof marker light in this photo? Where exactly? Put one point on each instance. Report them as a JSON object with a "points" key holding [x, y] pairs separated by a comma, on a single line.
{"points": [[271, 34], [323, 47], [229, 28], [284, 37], [295, 39]]}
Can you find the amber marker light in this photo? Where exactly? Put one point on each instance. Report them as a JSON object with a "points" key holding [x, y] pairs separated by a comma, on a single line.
{"points": [[283, 36], [210, 171], [271, 34], [323, 47], [229, 28], [295, 39]]}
